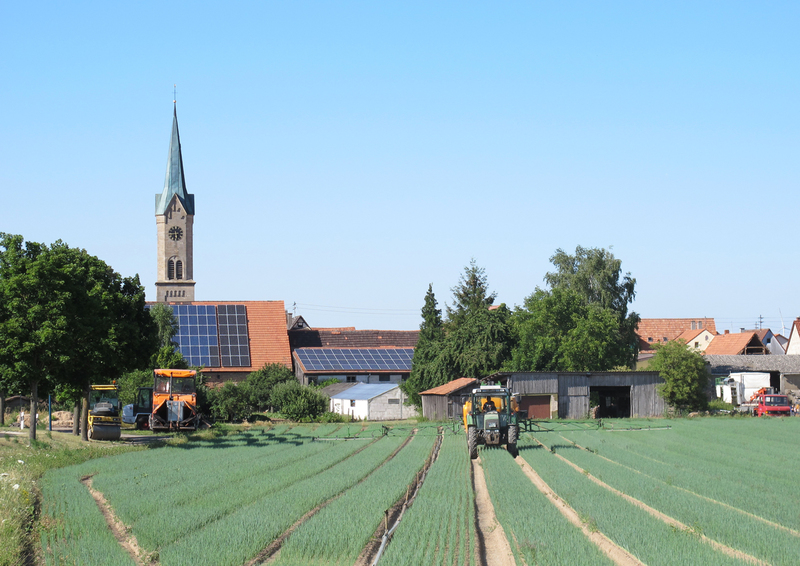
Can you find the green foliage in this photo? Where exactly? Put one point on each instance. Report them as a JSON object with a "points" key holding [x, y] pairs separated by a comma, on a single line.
{"points": [[471, 293], [720, 405], [130, 382], [230, 402], [431, 335], [297, 402], [168, 357], [167, 325], [66, 318], [260, 384], [685, 374], [596, 276], [474, 342], [558, 331]]}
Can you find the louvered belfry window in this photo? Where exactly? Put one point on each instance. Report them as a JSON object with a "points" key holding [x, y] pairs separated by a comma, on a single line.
{"points": [[179, 269], [171, 270]]}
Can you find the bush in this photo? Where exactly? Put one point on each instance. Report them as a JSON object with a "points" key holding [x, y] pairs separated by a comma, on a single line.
{"points": [[297, 402], [720, 405]]}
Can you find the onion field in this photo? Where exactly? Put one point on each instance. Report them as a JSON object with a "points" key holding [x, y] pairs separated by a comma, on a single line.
{"points": [[712, 491]]}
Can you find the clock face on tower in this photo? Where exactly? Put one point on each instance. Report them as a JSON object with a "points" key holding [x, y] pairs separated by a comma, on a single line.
{"points": [[175, 233]]}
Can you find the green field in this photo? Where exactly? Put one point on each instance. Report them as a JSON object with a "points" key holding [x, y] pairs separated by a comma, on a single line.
{"points": [[703, 491]]}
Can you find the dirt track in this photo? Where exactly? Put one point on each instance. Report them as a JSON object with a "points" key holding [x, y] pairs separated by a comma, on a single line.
{"points": [[496, 550]]}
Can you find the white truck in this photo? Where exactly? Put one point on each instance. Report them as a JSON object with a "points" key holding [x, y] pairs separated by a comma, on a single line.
{"points": [[738, 388]]}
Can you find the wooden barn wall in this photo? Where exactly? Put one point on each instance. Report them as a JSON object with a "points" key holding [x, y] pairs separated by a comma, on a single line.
{"points": [[434, 407], [573, 390], [533, 383]]}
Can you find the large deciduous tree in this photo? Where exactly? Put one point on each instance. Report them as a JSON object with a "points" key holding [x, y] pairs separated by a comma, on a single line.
{"points": [[685, 375], [66, 318], [558, 331], [596, 275]]}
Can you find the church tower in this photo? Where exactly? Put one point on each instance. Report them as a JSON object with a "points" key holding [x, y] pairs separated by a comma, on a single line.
{"points": [[174, 220]]}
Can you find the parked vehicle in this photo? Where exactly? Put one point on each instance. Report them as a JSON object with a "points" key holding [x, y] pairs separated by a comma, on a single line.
{"points": [[172, 401], [765, 403], [104, 413]]}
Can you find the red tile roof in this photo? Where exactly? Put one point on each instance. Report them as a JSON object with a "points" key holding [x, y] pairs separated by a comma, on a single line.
{"points": [[448, 388], [654, 330], [689, 335], [734, 344]]}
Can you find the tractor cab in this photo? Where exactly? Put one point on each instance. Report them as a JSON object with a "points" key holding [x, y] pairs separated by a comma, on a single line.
{"points": [[490, 417]]}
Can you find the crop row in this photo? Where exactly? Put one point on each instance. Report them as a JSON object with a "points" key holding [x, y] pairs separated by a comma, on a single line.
{"points": [[186, 498], [74, 531], [736, 530], [439, 528], [242, 534], [648, 538], [339, 532], [671, 457], [538, 533]]}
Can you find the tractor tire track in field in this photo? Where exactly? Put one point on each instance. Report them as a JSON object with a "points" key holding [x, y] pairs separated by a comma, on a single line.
{"points": [[772, 524], [126, 541], [671, 521], [272, 551], [619, 555], [493, 543]]}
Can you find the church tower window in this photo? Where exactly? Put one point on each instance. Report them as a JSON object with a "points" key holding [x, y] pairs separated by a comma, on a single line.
{"points": [[179, 269], [171, 270]]}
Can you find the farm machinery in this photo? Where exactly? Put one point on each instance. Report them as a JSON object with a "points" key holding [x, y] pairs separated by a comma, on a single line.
{"points": [[491, 418], [104, 413], [171, 404], [764, 402]]}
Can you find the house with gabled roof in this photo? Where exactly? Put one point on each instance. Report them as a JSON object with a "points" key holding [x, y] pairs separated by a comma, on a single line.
{"points": [[738, 344], [793, 345], [655, 330], [373, 402], [697, 340]]}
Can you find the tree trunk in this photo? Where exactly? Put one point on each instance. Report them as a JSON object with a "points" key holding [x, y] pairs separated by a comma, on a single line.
{"points": [[34, 410], [2, 408], [76, 418], [85, 416]]}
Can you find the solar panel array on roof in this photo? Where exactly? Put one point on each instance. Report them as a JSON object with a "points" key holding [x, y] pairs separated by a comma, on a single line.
{"points": [[197, 334], [233, 340], [356, 359]]}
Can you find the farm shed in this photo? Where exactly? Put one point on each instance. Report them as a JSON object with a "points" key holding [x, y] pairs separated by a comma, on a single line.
{"points": [[570, 395], [446, 401], [373, 402], [784, 371]]}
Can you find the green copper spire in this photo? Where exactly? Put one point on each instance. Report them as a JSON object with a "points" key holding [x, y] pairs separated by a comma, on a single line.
{"points": [[175, 184]]}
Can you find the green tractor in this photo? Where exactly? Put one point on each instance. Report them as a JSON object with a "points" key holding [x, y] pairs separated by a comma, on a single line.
{"points": [[490, 418]]}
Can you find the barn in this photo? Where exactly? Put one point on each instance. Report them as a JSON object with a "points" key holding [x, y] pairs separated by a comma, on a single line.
{"points": [[373, 402], [446, 401], [571, 395]]}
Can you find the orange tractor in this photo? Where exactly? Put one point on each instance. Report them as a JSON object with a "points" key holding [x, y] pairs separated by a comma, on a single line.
{"points": [[173, 401]]}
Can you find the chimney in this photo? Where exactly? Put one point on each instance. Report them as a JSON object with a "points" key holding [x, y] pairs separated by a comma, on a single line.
{"points": [[741, 330], [727, 332]]}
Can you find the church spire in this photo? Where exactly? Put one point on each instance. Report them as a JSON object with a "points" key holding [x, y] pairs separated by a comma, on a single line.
{"points": [[175, 183]]}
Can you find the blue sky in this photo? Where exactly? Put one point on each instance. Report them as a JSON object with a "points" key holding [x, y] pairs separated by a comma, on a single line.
{"points": [[344, 155]]}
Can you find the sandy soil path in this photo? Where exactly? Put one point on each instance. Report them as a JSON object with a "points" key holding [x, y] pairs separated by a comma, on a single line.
{"points": [[497, 551]]}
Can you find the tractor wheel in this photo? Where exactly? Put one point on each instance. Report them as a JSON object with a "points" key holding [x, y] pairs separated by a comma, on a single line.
{"points": [[472, 442], [511, 445]]}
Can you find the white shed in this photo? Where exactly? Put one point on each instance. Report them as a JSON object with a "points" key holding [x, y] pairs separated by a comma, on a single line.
{"points": [[372, 401]]}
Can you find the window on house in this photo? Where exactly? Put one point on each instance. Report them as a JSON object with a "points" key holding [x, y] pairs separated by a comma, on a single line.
{"points": [[179, 269], [697, 344], [699, 324], [665, 338], [383, 378], [394, 401], [171, 270], [694, 325], [649, 338], [352, 402], [351, 379]]}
